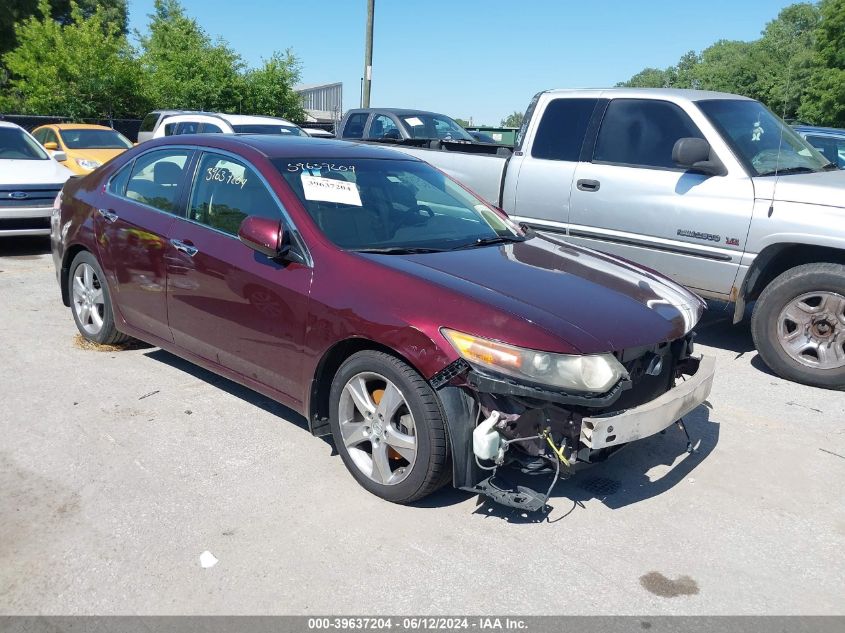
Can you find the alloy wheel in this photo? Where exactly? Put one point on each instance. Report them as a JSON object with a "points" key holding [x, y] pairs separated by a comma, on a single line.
{"points": [[88, 299]]}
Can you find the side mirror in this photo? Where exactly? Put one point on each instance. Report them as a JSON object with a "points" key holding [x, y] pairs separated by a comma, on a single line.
{"points": [[262, 234], [60, 156], [696, 154], [51, 145]]}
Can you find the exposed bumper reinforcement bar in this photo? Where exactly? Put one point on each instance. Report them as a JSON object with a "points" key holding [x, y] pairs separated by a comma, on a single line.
{"points": [[652, 417]]}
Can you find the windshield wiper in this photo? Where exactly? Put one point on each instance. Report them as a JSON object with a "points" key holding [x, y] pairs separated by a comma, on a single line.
{"points": [[495, 239], [789, 170], [398, 250]]}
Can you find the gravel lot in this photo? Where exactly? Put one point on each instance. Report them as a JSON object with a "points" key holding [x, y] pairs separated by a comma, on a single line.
{"points": [[119, 468]]}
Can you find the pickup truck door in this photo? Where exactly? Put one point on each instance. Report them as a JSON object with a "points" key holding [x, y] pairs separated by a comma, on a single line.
{"points": [[539, 179], [631, 199]]}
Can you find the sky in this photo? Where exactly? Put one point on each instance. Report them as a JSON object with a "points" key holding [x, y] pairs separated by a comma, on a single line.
{"points": [[473, 59]]}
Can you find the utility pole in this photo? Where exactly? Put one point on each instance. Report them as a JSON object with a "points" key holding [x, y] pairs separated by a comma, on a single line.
{"points": [[368, 55]]}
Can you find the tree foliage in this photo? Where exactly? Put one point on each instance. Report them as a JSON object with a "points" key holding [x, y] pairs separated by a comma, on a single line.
{"points": [[514, 119], [792, 67], [73, 59], [84, 68]]}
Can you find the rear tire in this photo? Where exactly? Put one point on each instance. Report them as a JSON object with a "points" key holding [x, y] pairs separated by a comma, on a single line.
{"points": [[90, 301], [388, 427], [798, 325]]}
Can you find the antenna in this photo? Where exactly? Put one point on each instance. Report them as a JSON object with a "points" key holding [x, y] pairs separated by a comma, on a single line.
{"points": [[780, 140]]}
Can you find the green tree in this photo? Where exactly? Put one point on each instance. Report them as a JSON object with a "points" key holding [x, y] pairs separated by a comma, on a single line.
{"points": [[824, 100], [85, 68], [514, 119], [462, 122], [728, 66], [16, 11], [184, 68], [269, 89], [650, 78]]}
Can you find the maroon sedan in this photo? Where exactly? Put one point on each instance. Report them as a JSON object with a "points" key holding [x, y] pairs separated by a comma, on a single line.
{"points": [[434, 339]]}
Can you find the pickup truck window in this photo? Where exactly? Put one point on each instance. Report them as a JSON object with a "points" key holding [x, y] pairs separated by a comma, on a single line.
{"points": [[762, 142], [562, 129], [642, 133], [354, 127], [831, 148], [383, 127]]}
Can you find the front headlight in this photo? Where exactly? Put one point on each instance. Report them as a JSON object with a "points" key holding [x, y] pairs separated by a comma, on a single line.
{"points": [[593, 373], [87, 164]]}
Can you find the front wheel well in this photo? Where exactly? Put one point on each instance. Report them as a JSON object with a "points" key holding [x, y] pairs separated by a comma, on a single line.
{"points": [[777, 259], [67, 259], [321, 384]]}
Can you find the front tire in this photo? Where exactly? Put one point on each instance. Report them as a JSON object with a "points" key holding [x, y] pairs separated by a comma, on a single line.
{"points": [[90, 301], [388, 427], [798, 325]]}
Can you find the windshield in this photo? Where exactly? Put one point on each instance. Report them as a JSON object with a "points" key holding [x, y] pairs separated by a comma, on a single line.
{"points": [[765, 144], [94, 139], [268, 128], [423, 125], [15, 144], [392, 205]]}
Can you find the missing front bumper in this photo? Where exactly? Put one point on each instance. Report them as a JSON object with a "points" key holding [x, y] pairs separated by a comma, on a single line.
{"points": [[652, 417]]}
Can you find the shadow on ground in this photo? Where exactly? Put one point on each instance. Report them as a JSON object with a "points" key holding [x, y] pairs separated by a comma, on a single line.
{"points": [[29, 246]]}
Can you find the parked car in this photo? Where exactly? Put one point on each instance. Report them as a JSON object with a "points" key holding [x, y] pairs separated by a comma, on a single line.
{"points": [[85, 147], [396, 124], [317, 132], [389, 305], [829, 141], [150, 123], [210, 123], [30, 180], [481, 137], [711, 189]]}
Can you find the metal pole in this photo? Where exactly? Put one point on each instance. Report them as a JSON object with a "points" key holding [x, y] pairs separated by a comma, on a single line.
{"points": [[368, 54]]}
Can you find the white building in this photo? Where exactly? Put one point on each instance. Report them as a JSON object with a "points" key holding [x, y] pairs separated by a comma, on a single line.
{"points": [[323, 103]]}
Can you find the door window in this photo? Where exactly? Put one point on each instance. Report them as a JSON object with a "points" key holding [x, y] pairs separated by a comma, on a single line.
{"points": [[155, 178], [210, 128], [354, 127], [226, 191], [562, 129], [40, 134], [383, 127], [117, 183], [642, 133]]}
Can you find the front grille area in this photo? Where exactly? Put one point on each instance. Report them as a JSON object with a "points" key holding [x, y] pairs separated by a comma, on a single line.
{"points": [[646, 387], [22, 224], [36, 196]]}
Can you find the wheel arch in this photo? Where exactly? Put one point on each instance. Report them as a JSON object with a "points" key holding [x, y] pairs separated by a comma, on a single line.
{"points": [[776, 259]]}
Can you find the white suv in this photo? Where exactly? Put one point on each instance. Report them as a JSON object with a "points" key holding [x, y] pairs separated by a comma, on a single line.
{"points": [[211, 123], [30, 180]]}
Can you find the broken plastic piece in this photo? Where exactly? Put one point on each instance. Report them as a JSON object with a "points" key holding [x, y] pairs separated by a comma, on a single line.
{"points": [[515, 496]]}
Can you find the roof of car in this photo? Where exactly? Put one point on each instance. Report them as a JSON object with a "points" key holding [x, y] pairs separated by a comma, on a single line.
{"points": [[810, 129], [76, 126], [275, 146], [397, 111], [9, 124], [675, 94], [249, 119]]}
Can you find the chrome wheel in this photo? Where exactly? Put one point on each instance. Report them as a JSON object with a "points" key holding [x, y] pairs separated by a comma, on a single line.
{"points": [[377, 428], [88, 300], [811, 330]]}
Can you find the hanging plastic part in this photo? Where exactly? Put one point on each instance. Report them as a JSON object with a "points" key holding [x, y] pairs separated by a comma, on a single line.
{"points": [[683, 427]]}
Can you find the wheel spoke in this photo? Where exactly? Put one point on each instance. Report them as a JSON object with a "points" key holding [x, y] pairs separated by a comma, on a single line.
{"points": [[88, 274], [357, 388], [96, 319], [84, 313], [98, 296], [390, 402], [405, 445], [354, 433], [78, 287], [381, 465]]}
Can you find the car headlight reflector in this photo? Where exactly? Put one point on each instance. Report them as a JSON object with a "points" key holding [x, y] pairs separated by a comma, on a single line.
{"points": [[593, 373], [87, 164]]}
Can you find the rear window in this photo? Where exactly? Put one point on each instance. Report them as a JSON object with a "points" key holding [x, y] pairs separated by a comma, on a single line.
{"points": [[149, 122]]}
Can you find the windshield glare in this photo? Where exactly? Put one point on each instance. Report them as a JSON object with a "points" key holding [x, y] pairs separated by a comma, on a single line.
{"points": [[764, 143], [363, 204], [15, 144], [94, 139], [268, 128], [435, 126]]}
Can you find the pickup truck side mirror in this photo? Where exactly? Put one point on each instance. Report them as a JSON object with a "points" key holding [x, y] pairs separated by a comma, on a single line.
{"points": [[696, 154]]}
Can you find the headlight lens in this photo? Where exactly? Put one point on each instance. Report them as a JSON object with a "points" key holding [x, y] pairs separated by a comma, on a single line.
{"points": [[593, 373], [87, 164]]}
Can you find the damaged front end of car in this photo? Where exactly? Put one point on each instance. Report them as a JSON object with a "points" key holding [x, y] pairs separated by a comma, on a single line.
{"points": [[539, 414]]}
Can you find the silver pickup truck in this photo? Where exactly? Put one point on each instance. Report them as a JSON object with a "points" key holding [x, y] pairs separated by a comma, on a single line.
{"points": [[708, 188]]}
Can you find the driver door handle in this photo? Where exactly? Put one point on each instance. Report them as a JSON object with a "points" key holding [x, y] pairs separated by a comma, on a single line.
{"points": [[182, 247], [109, 216], [588, 185]]}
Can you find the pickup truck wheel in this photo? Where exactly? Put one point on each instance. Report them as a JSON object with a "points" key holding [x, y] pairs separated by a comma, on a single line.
{"points": [[90, 301], [388, 427], [798, 325]]}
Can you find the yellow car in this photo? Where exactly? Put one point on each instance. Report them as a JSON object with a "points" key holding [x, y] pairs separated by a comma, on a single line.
{"points": [[86, 146]]}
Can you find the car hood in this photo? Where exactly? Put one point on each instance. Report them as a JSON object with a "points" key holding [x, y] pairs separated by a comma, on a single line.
{"points": [[100, 155], [594, 302], [32, 172], [826, 188]]}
